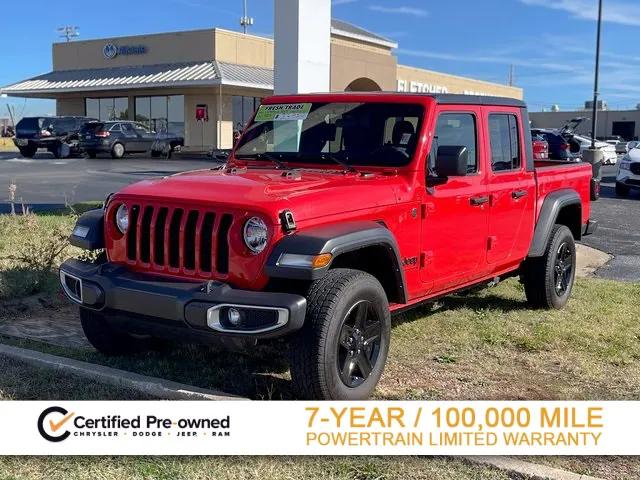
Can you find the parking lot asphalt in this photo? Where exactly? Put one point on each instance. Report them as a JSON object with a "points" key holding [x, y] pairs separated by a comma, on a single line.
{"points": [[45, 182], [618, 230]]}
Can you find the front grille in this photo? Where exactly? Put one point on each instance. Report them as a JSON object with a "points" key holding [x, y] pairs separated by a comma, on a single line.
{"points": [[179, 240], [635, 168]]}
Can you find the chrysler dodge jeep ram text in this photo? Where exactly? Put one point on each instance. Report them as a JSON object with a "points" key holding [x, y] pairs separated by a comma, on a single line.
{"points": [[333, 212]]}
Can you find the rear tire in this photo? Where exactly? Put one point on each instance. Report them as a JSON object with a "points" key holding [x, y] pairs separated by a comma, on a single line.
{"points": [[622, 190], [341, 351], [117, 150], [106, 339], [548, 280], [28, 152]]}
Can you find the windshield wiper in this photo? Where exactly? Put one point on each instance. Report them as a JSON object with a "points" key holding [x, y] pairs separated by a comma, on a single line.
{"points": [[266, 156], [342, 163]]}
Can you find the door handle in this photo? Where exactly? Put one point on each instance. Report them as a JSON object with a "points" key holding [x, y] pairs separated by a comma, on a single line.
{"points": [[516, 194], [477, 201]]}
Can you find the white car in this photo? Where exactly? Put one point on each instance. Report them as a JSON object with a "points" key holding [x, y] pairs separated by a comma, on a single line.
{"points": [[628, 172], [610, 154]]}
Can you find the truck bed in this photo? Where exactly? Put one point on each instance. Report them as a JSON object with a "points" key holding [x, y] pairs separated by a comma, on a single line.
{"points": [[554, 175]]}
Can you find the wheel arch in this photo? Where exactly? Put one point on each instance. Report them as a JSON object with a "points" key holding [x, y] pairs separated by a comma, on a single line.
{"points": [[563, 207], [364, 245]]}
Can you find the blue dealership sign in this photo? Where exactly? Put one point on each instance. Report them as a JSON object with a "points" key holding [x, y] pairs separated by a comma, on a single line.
{"points": [[111, 50]]}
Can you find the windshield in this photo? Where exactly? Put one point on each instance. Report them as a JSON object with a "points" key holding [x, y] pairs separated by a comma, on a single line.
{"points": [[374, 134]]}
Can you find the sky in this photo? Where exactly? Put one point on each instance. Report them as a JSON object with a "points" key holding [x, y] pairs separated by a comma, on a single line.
{"points": [[550, 43]]}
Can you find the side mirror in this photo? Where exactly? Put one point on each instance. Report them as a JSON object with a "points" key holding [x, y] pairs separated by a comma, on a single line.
{"points": [[451, 161]]}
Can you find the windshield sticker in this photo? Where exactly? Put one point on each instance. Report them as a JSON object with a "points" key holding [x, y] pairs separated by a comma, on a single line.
{"points": [[406, 137], [283, 112]]}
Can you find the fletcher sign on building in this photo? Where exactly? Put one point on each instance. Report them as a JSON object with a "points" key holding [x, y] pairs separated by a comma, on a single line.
{"points": [[420, 87]]}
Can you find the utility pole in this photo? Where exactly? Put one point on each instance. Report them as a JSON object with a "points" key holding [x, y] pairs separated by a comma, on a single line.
{"points": [[594, 120], [245, 20], [68, 32]]}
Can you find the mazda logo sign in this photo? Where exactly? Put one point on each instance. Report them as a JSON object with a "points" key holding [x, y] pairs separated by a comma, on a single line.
{"points": [[110, 51]]}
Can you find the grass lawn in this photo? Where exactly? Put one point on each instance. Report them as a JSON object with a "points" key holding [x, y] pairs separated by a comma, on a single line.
{"points": [[245, 468], [20, 381], [481, 345]]}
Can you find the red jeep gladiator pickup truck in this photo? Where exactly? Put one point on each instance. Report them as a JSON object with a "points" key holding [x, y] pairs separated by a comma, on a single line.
{"points": [[332, 212]]}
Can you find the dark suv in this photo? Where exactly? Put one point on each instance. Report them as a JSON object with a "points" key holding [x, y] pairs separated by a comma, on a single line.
{"points": [[59, 135]]}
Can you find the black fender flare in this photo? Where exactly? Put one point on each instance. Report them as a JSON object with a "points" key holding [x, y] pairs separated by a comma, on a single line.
{"points": [[551, 207], [335, 239], [88, 232]]}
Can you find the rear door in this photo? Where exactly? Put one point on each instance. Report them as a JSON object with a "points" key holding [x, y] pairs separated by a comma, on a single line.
{"points": [[511, 188], [456, 213]]}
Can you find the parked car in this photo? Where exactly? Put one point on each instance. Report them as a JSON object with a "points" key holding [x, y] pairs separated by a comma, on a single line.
{"points": [[116, 138], [558, 146], [540, 148], [609, 151], [59, 135], [318, 240], [628, 176]]}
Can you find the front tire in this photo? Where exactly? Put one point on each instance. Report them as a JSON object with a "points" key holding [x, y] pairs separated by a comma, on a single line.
{"points": [[106, 339], [622, 190], [28, 152], [548, 280], [341, 351]]}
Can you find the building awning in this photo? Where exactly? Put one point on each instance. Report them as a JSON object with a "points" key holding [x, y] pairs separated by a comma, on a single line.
{"points": [[192, 74]]}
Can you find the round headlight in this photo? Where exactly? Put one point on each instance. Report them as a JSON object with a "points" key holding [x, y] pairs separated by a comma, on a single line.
{"points": [[255, 234], [122, 218]]}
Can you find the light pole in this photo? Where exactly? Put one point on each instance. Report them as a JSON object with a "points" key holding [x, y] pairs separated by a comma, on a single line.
{"points": [[594, 120]]}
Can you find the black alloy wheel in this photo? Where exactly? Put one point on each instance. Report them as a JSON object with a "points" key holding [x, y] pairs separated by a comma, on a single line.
{"points": [[563, 268], [359, 345]]}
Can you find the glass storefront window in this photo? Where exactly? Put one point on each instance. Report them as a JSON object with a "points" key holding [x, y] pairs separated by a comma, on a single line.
{"points": [[92, 108], [162, 114], [243, 108], [107, 108]]}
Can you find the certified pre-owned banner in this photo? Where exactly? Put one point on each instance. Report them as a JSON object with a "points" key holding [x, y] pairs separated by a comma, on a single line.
{"points": [[320, 428]]}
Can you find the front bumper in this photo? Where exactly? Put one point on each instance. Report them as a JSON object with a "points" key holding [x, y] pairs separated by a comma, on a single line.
{"points": [[145, 304]]}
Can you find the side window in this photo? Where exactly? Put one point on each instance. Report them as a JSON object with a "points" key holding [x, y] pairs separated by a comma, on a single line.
{"points": [[115, 128], [505, 142], [459, 130]]}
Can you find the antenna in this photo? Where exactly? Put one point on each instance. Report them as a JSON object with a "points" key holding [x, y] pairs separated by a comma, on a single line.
{"points": [[245, 20], [512, 76], [68, 32]]}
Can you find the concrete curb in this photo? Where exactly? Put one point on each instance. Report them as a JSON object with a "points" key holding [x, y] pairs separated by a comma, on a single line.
{"points": [[589, 260], [156, 387], [528, 469]]}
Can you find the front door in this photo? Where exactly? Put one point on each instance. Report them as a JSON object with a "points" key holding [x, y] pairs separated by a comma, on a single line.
{"points": [[454, 237], [511, 189]]}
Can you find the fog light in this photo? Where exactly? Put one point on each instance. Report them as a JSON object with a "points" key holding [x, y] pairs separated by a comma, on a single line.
{"points": [[234, 317]]}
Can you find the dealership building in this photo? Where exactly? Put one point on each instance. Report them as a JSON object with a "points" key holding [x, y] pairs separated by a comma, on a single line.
{"points": [[205, 84]]}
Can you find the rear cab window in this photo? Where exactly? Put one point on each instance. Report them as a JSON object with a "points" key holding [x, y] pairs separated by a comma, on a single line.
{"points": [[504, 135]]}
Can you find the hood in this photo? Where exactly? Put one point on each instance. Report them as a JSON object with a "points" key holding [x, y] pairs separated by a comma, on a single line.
{"points": [[634, 155], [307, 193]]}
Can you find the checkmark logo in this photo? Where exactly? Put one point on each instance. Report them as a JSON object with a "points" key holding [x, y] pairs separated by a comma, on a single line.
{"points": [[56, 426]]}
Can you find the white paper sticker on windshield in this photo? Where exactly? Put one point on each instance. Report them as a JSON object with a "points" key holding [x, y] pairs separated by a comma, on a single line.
{"points": [[283, 112]]}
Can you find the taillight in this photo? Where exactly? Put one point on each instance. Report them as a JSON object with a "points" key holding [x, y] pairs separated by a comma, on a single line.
{"points": [[102, 134]]}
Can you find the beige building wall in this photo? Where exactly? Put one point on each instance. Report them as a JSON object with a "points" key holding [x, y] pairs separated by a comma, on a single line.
{"points": [[416, 79], [73, 106], [235, 47], [192, 46], [354, 60]]}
